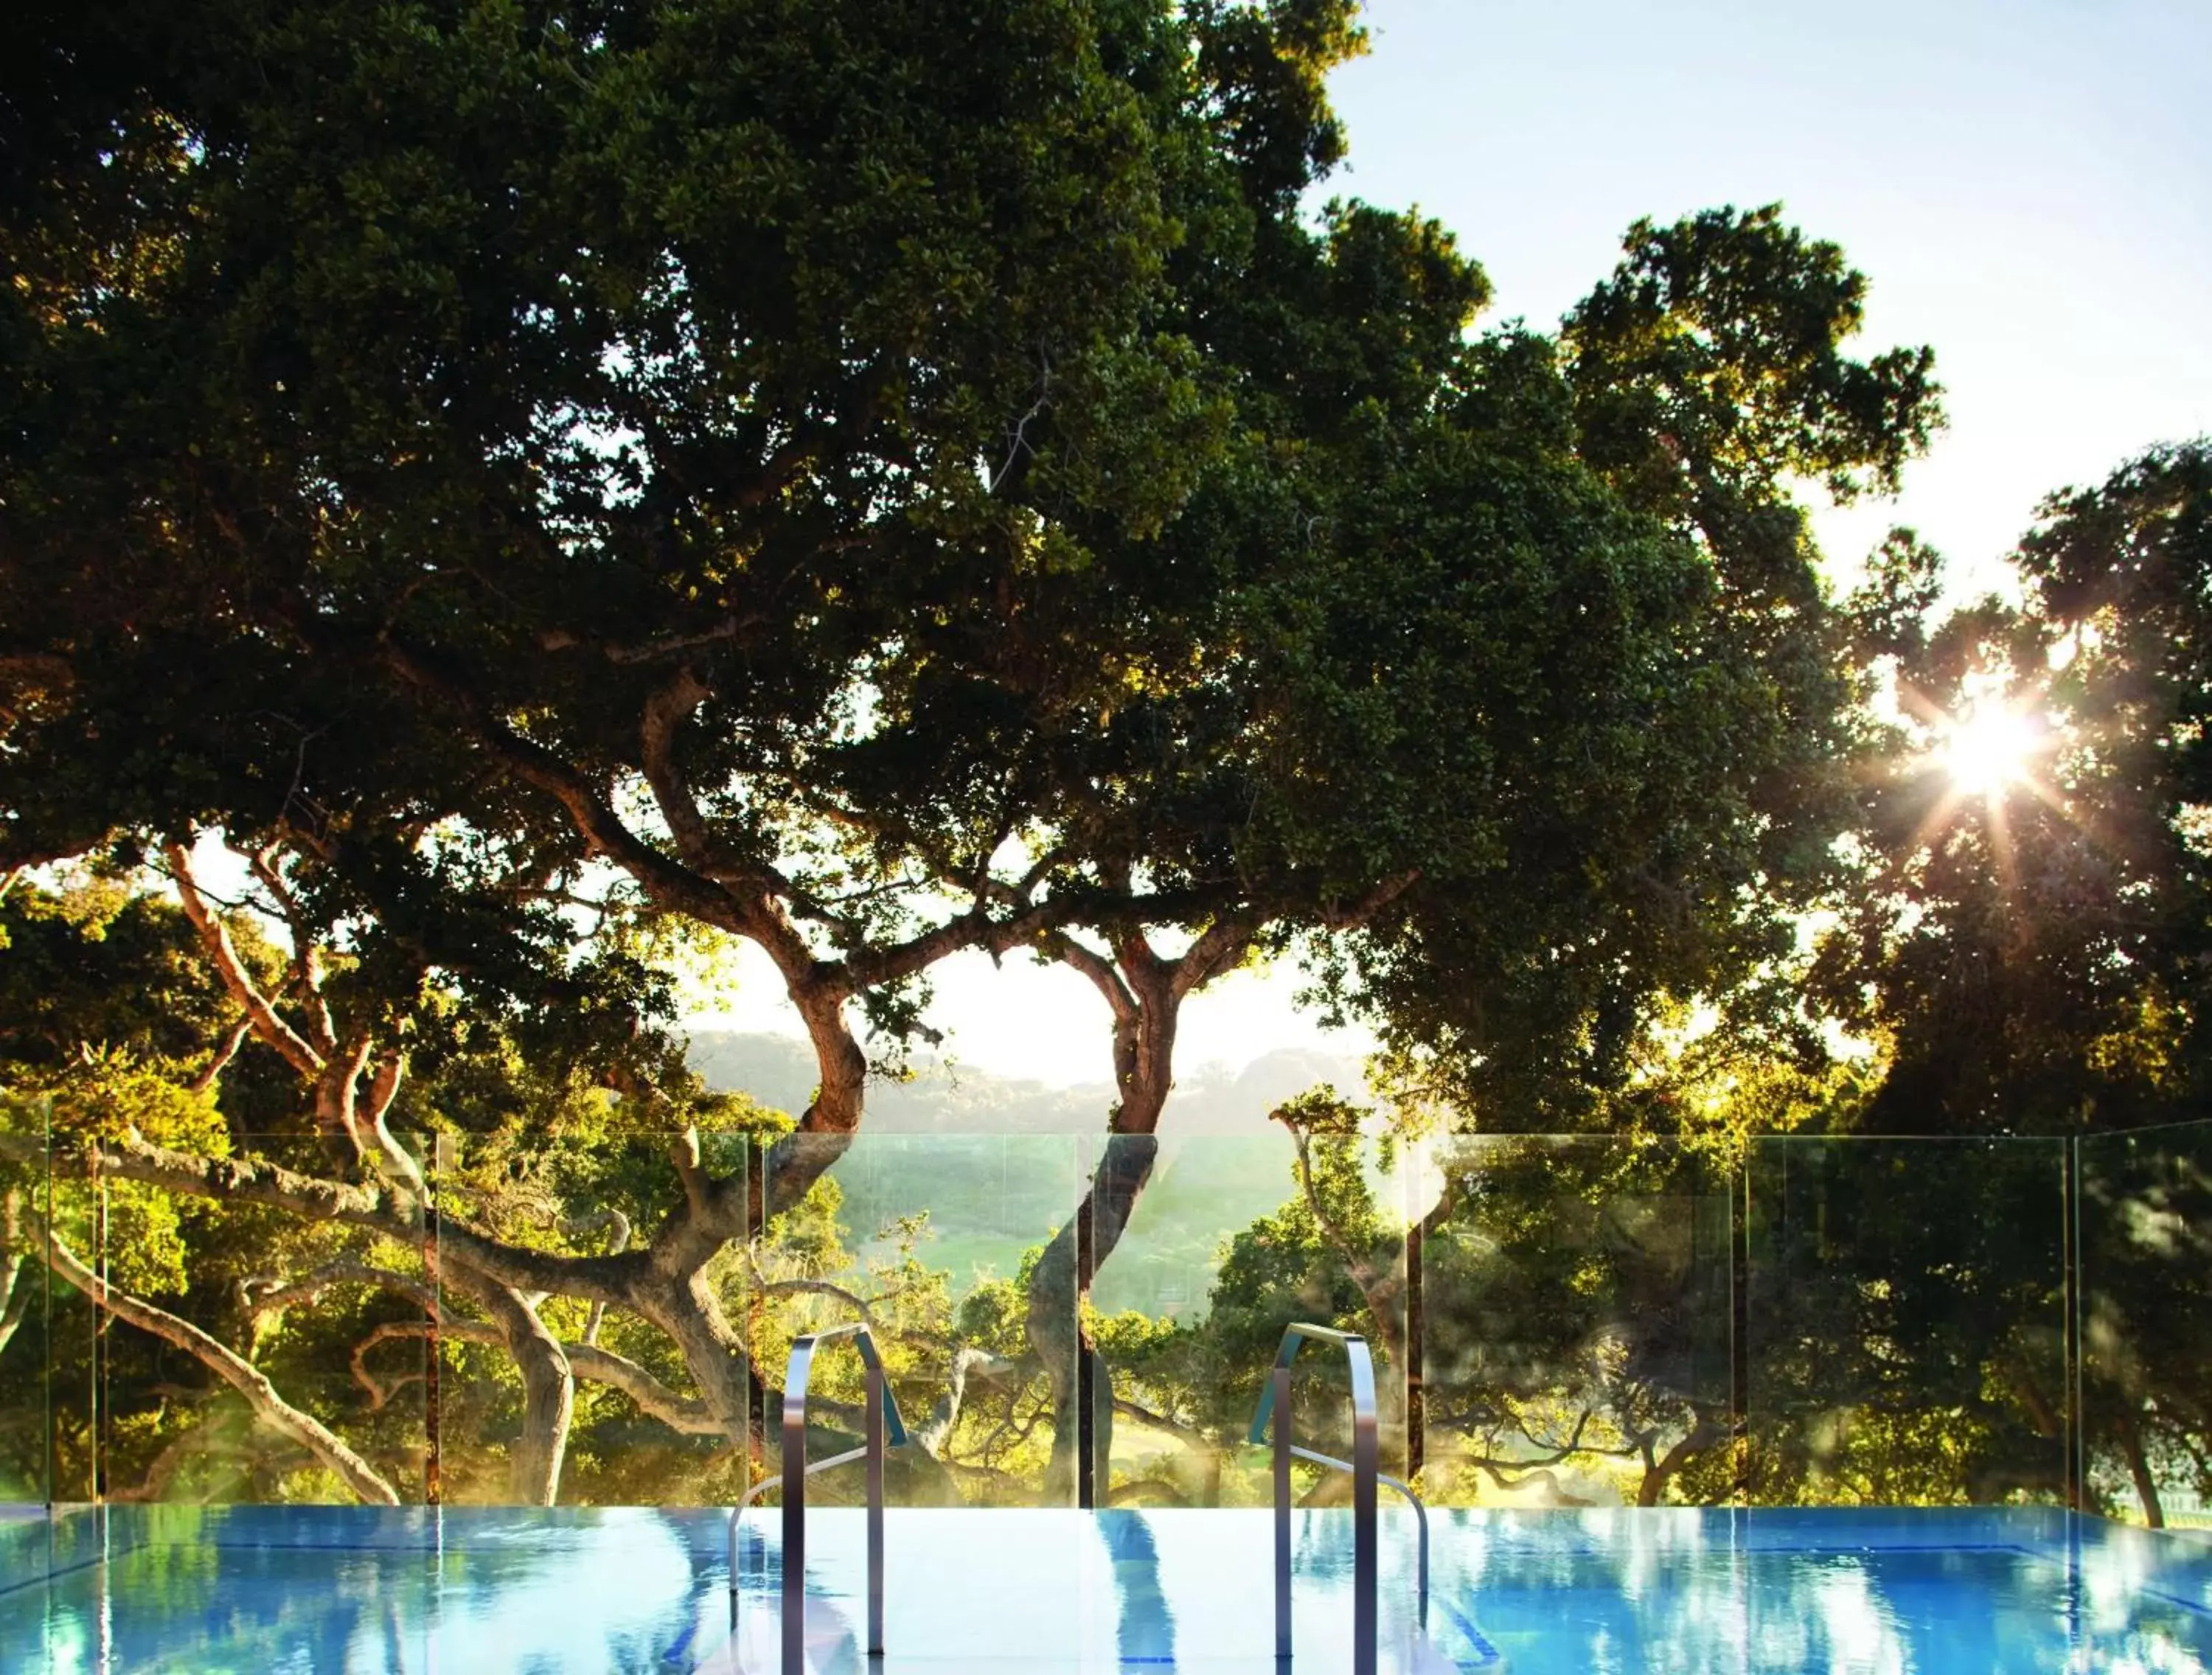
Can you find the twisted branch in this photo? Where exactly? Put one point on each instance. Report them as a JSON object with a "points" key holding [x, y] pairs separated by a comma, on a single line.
{"points": [[249, 1380]]}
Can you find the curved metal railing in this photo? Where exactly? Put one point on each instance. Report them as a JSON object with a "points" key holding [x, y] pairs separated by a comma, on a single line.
{"points": [[1275, 1404], [884, 1427]]}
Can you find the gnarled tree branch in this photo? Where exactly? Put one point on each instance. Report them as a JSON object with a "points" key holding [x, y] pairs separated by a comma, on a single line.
{"points": [[686, 1414], [249, 1380], [222, 954]]}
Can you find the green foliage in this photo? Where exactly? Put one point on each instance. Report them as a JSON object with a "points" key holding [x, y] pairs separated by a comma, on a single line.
{"points": [[583, 484], [1646, 709], [2146, 1219], [994, 1316], [1909, 1337], [966, 439], [1711, 360], [2032, 960], [1576, 1294], [98, 962]]}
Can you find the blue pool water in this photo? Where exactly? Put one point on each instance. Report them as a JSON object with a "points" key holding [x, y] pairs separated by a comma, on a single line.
{"points": [[354, 1591]]}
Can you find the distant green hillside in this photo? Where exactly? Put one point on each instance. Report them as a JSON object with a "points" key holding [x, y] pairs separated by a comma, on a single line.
{"points": [[1000, 1163], [1211, 1099]]}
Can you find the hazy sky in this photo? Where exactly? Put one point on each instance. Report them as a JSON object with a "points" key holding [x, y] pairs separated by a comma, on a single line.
{"points": [[2027, 185]]}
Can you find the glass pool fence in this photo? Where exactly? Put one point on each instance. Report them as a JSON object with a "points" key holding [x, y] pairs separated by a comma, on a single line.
{"points": [[601, 1320]]}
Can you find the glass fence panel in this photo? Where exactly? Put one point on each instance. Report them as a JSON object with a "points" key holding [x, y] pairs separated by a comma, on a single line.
{"points": [[1576, 1323], [208, 1430], [582, 1397], [74, 1213], [1218, 1248], [25, 1352], [2145, 1238], [943, 1240], [50, 1365], [262, 1353], [1906, 1314]]}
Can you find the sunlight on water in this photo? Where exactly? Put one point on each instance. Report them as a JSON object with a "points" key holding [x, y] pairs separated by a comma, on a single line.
{"points": [[1860, 1631], [1593, 1592]]}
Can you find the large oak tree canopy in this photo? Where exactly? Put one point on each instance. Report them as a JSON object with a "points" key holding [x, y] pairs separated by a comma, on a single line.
{"points": [[807, 456], [879, 478]]}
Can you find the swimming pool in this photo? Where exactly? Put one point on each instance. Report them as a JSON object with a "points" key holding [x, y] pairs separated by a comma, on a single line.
{"points": [[360, 1591]]}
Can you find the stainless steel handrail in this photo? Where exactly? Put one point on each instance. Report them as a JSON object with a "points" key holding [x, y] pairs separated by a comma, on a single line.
{"points": [[1275, 1404], [884, 1427]]}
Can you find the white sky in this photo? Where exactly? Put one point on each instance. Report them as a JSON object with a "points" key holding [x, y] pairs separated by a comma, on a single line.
{"points": [[2027, 185]]}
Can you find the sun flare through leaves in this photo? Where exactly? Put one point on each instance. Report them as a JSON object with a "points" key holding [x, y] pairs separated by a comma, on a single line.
{"points": [[1991, 746]]}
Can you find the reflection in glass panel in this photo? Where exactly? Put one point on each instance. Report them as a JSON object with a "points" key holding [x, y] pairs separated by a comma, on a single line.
{"points": [[938, 1241], [1231, 1240], [248, 1360], [1905, 1322], [26, 1524], [49, 1365], [2145, 1209], [75, 1346], [26, 1354], [1576, 1320], [585, 1396]]}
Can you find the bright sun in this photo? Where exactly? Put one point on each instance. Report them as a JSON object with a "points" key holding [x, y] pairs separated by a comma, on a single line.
{"points": [[1987, 748]]}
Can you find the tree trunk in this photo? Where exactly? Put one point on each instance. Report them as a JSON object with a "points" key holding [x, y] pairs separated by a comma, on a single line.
{"points": [[1146, 994], [1658, 1473], [2139, 1471], [1060, 1286], [15, 1299], [549, 1394], [686, 1309], [15, 1295], [1058, 1289]]}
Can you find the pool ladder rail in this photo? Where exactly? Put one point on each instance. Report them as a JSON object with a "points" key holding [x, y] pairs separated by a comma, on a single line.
{"points": [[1275, 1406], [1272, 1421], [885, 1429]]}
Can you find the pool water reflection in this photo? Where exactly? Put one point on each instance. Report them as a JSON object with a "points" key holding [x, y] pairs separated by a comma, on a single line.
{"points": [[355, 1591]]}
